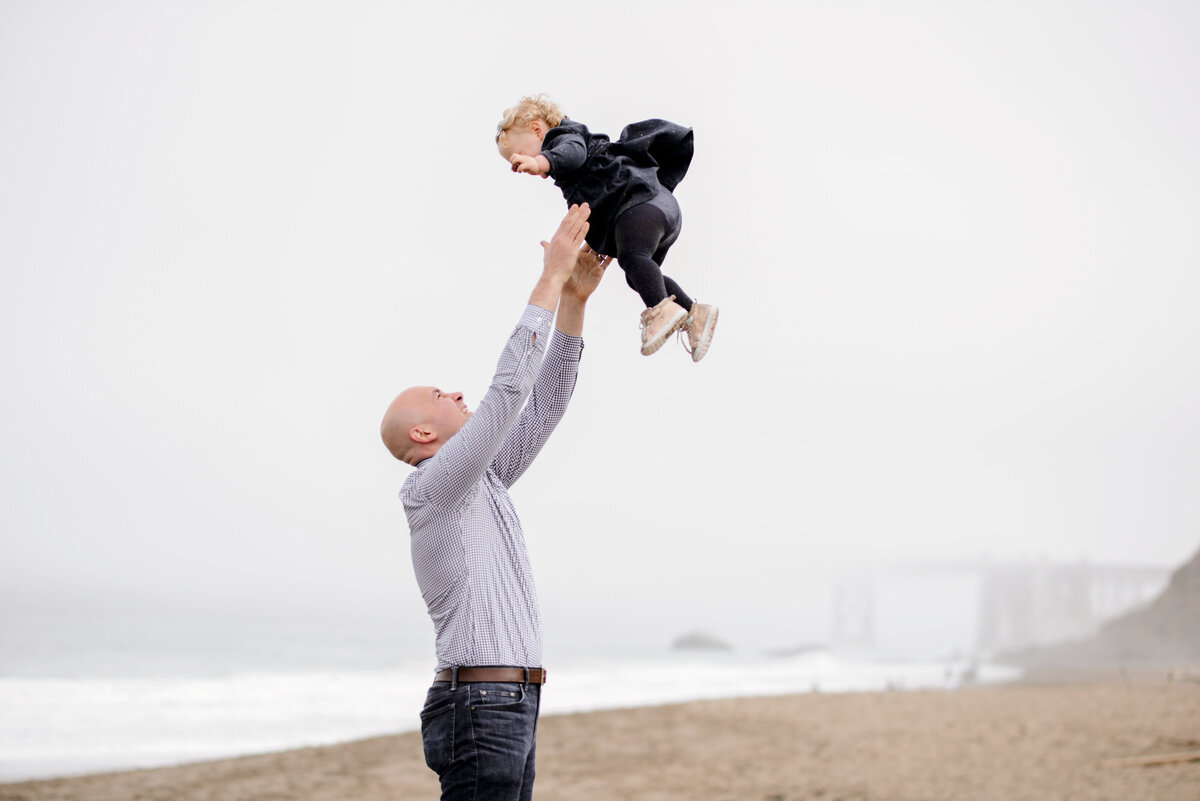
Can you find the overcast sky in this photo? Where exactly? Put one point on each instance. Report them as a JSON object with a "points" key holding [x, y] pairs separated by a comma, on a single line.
{"points": [[955, 247]]}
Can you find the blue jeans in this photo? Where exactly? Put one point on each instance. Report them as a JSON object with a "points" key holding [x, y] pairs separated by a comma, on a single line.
{"points": [[480, 739]]}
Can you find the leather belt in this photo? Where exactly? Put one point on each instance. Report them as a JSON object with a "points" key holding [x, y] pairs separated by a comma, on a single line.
{"points": [[496, 674]]}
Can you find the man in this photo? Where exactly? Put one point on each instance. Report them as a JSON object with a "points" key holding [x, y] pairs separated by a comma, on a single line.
{"points": [[468, 550]]}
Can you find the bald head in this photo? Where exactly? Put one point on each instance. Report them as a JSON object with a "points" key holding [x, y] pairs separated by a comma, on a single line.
{"points": [[400, 417], [420, 420]]}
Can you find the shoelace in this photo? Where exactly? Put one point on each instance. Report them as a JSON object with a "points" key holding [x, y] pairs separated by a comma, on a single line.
{"points": [[643, 322], [686, 328], [647, 314]]}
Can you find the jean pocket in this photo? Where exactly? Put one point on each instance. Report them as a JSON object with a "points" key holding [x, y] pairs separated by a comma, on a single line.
{"points": [[437, 729], [497, 697]]}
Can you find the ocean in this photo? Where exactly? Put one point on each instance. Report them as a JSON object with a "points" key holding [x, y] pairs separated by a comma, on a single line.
{"points": [[128, 694]]}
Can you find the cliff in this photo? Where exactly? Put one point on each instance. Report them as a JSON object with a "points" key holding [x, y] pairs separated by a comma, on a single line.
{"points": [[1165, 631]]}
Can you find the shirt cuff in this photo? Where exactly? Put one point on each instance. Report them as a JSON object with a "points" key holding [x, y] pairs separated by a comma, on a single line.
{"points": [[536, 319], [568, 345]]}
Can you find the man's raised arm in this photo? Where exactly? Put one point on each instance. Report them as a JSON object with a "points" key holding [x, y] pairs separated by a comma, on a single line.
{"points": [[556, 380], [465, 456]]}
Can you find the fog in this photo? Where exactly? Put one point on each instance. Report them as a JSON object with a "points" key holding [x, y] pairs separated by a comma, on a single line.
{"points": [[954, 246]]}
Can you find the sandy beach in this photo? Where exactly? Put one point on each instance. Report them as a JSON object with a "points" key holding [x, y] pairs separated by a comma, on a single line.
{"points": [[1028, 741]]}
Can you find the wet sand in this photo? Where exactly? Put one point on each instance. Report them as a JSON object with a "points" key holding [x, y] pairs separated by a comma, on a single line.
{"points": [[1030, 741]]}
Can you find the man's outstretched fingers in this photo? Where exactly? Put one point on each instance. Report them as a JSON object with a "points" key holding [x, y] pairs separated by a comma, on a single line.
{"points": [[577, 216], [574, 226], [582, 225]]}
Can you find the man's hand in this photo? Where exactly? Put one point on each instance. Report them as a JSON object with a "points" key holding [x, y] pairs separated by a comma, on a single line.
{"points": [[562, 251], [530, 165], [589, 269], [559, 256]]}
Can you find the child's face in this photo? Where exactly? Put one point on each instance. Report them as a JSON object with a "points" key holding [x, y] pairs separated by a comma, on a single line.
{"points": [[526, 142]]}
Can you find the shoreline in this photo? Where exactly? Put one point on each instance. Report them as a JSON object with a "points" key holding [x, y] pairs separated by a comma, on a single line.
{"points": [[1026, 740], [60, 728]]}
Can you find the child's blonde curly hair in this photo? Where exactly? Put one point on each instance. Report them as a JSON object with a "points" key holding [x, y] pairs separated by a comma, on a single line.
{"points": [[533, 107]]}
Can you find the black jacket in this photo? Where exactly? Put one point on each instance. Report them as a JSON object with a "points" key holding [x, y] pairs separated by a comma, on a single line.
{"points": [[647, 158]]}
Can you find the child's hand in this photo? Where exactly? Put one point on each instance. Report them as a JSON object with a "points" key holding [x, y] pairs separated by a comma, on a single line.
{"points": [[531, 165]]}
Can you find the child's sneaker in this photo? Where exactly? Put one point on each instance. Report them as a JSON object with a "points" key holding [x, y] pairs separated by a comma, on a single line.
{"points": [[659, 322], [699, 326]]}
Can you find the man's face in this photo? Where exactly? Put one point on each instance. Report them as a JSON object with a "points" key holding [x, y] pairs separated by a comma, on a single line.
{"points": [[445, 412], [420, 421]]}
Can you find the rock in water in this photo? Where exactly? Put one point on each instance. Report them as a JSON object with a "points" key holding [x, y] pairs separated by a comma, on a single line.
{"points": [[700, 641]]}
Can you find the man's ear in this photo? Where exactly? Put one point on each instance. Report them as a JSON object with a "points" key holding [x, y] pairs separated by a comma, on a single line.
{"points": [[422, 434]]}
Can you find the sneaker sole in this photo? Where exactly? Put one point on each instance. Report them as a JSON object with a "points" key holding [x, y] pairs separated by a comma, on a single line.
{"points": [[652, 345], [710, 325]]}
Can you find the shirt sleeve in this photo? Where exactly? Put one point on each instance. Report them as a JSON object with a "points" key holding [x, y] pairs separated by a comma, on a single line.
{"points": [[451, 473], [565, 150], [545, 408]]}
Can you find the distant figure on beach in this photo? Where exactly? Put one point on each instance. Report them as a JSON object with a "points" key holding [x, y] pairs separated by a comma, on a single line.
{"points": [[628, 184], [468, 551]]}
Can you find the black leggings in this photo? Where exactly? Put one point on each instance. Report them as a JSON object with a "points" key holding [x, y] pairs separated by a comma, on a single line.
{"points": [[644, 233]]}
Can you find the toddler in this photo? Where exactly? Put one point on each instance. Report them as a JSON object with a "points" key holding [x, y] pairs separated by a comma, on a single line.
{"points": [[634, 215]]}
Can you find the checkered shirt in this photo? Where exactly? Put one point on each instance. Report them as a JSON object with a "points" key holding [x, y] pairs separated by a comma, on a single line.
{"points": [[468, 550]]}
